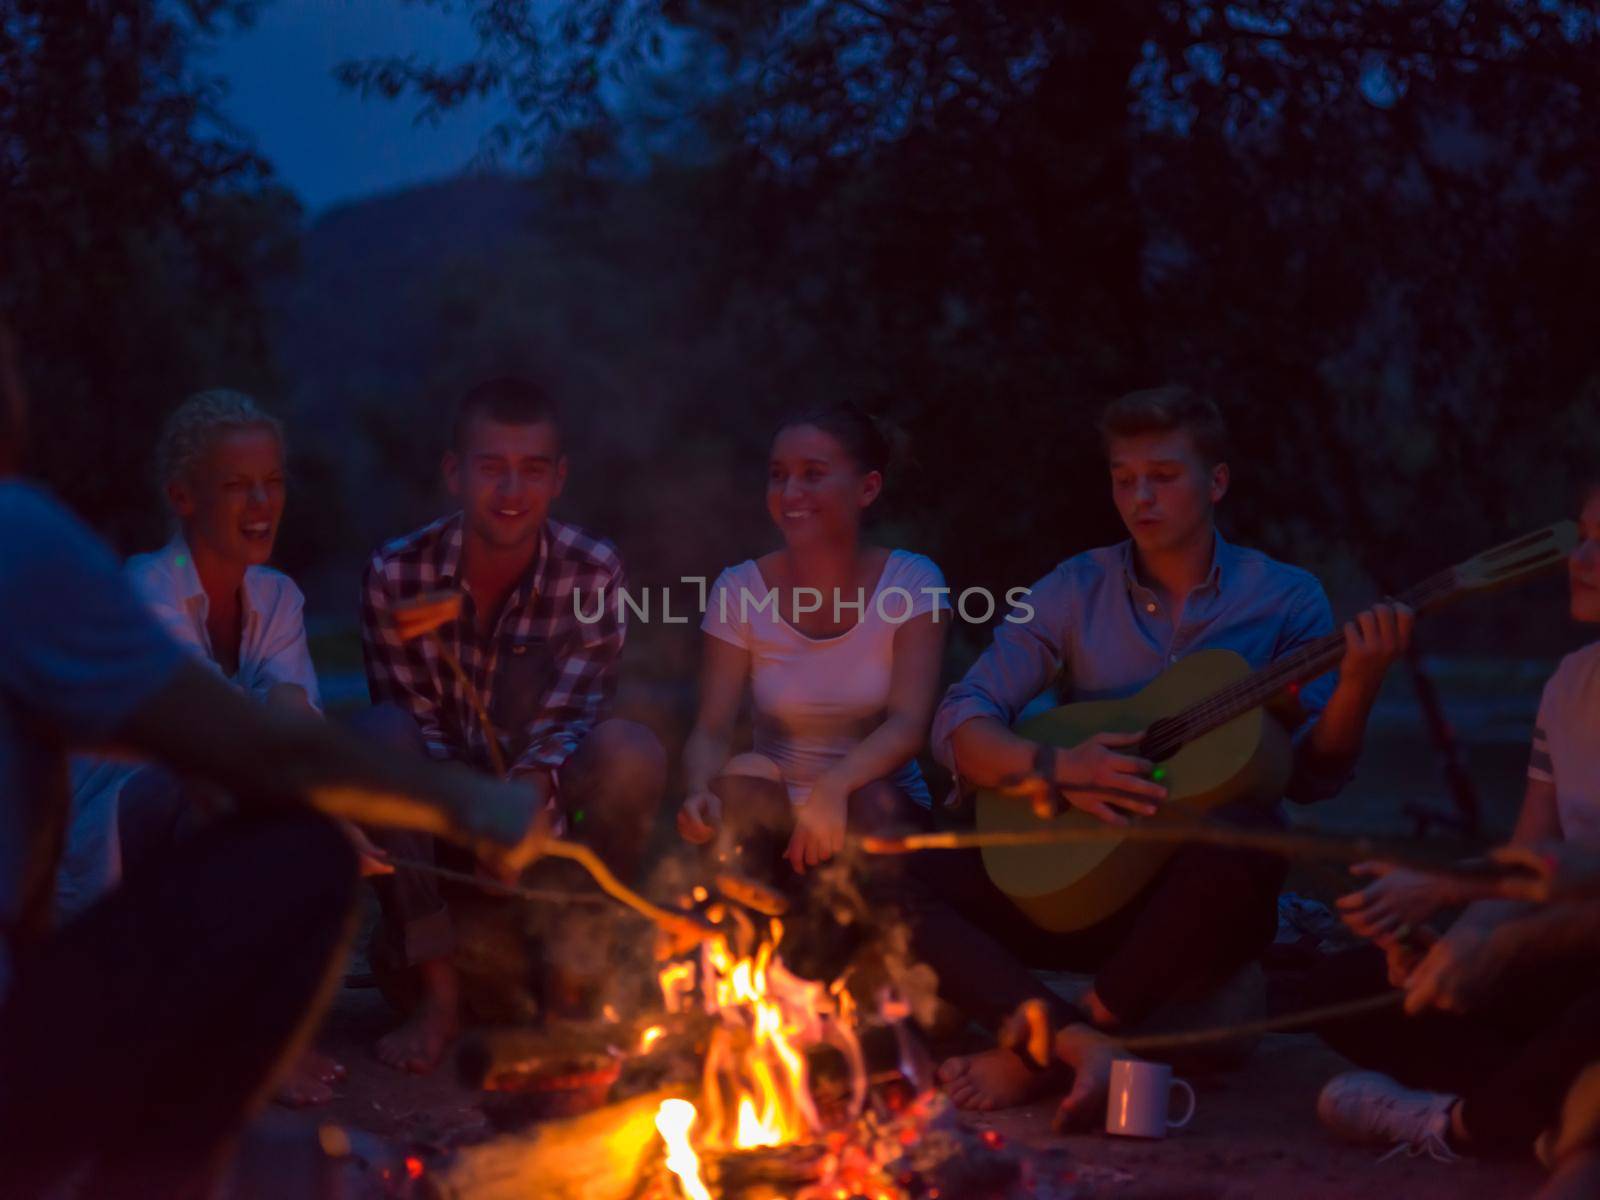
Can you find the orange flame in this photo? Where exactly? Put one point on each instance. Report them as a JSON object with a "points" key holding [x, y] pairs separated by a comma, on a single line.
{"points": [[673, 1121], [756, 1089]]}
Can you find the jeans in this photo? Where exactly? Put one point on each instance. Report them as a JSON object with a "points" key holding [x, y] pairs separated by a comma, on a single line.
{"points": [[1209, 911], [610, 792]]}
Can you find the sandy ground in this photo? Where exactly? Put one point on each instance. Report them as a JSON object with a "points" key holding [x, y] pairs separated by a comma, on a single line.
{"points": [[1254, 1134]]}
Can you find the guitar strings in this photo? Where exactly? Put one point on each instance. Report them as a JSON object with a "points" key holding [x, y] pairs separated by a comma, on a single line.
{"points": [[1168, 734], [1239, 697], [1322, 655]]}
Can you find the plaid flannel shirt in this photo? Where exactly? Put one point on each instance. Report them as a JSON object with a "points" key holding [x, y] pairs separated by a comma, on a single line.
{"points": [[544, 676]]}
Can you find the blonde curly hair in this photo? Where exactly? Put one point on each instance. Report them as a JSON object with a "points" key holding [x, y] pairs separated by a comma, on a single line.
{"points": [[192, 427]]}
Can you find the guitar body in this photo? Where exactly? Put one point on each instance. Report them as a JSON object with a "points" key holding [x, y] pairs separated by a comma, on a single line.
{"points": [[1072, 886]]}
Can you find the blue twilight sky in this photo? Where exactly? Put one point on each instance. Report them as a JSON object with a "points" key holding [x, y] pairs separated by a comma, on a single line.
{"points": [[328, 143]]}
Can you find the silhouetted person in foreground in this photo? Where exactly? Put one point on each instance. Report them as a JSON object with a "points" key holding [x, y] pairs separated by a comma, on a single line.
{"points": [[136, 1040]]}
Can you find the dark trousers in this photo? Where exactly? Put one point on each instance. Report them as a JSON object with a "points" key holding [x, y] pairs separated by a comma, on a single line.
{"points": [[140, 1037], [1211, 910], [1511, 1063], [610, 793], [155, 811]]}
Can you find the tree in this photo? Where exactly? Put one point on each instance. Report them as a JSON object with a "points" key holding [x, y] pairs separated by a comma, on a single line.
{"points": [[1352, 219], [136, 228]]}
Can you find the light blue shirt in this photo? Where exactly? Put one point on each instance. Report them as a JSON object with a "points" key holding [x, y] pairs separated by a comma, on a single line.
{"points": [[78, 653], [1097, 633]]}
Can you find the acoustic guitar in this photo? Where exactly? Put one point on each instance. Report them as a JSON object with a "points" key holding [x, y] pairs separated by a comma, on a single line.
{"points": [[1211, 725]]}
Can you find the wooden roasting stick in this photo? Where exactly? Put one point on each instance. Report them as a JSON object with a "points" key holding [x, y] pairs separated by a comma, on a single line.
{"points": [[1160, 1042], [1293, 845], [1028, 1030], [422, 617]]}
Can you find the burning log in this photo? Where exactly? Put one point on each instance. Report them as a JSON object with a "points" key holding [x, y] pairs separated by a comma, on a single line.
{"points": [[601, 1155], [580, 1062], [921, 1150], [546, 1077]]}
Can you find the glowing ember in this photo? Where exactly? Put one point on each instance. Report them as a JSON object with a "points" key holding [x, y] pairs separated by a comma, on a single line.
{"points": [[650, 1037], [673, 1121], [677, 981]]}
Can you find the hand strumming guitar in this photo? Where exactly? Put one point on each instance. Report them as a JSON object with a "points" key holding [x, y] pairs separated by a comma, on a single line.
{"points": [[1097, 777]]}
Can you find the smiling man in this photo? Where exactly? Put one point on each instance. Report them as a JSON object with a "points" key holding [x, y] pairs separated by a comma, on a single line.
{"points": [[544, 677], [1105, 623]]}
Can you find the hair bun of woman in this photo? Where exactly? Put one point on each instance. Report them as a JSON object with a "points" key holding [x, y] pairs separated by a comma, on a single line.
{"points": [[870, 440]]}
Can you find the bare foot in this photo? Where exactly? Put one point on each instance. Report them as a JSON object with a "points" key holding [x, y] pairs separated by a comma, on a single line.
{"points": [[420, 1042], [993, 1079], [1100, 1016], [307, 1083]]}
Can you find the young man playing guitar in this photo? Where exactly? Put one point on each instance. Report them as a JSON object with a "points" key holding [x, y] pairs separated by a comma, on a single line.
{"points": [[1105, 623]]}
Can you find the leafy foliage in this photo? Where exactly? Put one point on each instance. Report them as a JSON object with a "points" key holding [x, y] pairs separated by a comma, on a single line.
{"points": [[135, 229], [1356, 221]]}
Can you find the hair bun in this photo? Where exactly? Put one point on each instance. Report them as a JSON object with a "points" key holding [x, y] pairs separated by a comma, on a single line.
{"points": [[871, 440]]}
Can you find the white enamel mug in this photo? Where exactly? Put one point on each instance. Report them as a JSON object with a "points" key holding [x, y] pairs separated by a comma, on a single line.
{"points": [[1141, 1098]]}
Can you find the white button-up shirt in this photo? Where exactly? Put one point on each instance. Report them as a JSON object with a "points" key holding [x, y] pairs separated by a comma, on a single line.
{"points": [[272, 650]]}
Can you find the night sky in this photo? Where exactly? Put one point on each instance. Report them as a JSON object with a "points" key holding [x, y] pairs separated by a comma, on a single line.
{"points": [[328, 143]]}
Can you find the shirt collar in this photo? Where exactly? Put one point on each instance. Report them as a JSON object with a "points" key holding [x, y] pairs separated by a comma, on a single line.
{"points": [[448, 554], [189, 592], [1223, 554]]}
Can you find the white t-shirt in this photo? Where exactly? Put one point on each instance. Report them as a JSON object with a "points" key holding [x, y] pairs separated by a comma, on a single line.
{"points": [[816, 699], [1566, 743]]}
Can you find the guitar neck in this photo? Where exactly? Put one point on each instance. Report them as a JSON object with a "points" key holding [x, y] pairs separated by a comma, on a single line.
{"points": [[1166, 736]]}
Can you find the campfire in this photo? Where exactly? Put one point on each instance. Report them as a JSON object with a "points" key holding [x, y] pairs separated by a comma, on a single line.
{"points": [[763, 1074], [756, 1086], [799, 1094]]}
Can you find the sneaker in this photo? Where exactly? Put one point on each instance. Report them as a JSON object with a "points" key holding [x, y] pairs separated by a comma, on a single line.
{"points": [[1363, 1106]]}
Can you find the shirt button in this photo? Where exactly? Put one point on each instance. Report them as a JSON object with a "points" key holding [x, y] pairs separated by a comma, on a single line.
{"points": [[1149, 608]]}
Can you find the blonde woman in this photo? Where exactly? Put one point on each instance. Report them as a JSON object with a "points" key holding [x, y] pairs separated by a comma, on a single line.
{"points": [[220, 464]]}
